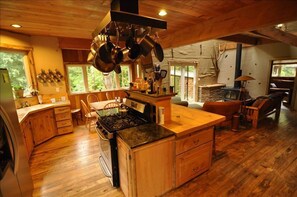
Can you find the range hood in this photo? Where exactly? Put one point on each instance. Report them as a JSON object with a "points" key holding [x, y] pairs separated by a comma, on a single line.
{"points": [[122, 16]]}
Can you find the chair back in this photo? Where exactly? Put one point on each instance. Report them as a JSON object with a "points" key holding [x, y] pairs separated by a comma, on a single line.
{"points": [[85, 108], [92, 98]]}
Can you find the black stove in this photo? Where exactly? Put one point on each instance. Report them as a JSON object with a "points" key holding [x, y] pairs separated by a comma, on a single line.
{"points": [[109, 122], [113, 123]]}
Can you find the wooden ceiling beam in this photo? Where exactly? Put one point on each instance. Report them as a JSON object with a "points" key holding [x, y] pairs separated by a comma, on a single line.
{"points": [[244, 39], [279, 35], [249, 18]]}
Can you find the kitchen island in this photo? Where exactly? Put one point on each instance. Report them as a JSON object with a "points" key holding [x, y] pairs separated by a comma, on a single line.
{"points": [[155, 167]]}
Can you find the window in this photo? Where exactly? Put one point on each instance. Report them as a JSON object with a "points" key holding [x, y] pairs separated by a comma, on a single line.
{"points": [[284, 68], [17, 64], [86, 78], [183, 78]]}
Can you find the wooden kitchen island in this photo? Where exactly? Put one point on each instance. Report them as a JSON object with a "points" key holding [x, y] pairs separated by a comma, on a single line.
{"points": [[155, 168]]}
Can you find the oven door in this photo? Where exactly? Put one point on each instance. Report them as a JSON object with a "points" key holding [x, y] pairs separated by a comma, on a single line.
{"points": [[105, 153], [108, 157]]}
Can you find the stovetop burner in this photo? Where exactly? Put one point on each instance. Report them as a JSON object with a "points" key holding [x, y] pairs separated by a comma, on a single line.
{"points": [[115, 122]]}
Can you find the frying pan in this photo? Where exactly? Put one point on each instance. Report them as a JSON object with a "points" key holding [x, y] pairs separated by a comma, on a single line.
{"points": [[158, 51]]}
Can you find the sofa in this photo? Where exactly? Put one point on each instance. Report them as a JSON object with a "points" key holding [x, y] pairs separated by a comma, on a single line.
{"points": [[262, 107], [229, 109]]}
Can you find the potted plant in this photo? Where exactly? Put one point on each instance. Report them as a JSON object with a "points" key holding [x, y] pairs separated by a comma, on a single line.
{"points": [[18, 91]]}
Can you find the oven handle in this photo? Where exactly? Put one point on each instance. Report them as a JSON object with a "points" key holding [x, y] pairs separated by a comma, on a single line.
{"points": [[101, 135], [103, 167]]}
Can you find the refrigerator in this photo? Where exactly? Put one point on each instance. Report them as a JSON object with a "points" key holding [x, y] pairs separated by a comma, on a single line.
{"points": [[15, 177]]}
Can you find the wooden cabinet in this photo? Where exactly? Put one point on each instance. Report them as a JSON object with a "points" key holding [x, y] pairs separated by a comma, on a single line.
{"points": [[27, 136], [193, 155], [63, 120], [43, 126], [147, 170]]}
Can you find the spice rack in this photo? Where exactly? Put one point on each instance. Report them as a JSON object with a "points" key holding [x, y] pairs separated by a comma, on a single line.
{"points": [[50, 76]]}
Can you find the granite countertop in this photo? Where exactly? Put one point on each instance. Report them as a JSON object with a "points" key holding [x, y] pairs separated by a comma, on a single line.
{"points": [[144, 134], [23, 112]]}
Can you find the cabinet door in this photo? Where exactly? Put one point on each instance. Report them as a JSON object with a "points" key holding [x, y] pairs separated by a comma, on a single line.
{"points": [[43, 126], [27, 136], [123, 158], [192, 163]]}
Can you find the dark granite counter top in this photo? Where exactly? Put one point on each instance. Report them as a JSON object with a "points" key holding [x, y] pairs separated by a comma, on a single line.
{"points": [[144, 134]]}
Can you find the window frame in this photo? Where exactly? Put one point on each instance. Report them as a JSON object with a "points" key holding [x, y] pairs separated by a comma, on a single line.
{"points": [[28, 62], [85, 78]]}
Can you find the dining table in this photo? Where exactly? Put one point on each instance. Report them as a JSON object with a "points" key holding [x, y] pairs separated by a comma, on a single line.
{"points": [[99, 105]]}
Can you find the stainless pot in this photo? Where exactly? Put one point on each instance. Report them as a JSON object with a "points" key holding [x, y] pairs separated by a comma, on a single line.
{"points": [[102, 66], [105, 51]]}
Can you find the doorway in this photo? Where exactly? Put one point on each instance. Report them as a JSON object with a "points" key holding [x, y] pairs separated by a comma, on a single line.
{"points": [[283, 78]]}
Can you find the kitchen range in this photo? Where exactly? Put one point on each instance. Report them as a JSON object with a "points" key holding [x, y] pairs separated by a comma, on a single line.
{"points": [[111, 122]]}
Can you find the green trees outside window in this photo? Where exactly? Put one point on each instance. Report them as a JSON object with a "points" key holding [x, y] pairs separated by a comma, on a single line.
{"points": [[13, 61], [86, 78]]}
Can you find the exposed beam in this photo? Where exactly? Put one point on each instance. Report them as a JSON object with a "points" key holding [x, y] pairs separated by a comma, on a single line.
{"points": [[249, 18], [241, 39], [279, 35]]}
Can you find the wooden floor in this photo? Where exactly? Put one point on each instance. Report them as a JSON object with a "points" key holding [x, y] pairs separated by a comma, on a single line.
{"points": [[251, 162]]}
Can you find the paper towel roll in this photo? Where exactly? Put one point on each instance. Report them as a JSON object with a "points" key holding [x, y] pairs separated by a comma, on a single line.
{"points": [[161, 115]]}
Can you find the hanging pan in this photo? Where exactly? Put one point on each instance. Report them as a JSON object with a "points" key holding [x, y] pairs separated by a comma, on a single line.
{"points": [[158, 51]]}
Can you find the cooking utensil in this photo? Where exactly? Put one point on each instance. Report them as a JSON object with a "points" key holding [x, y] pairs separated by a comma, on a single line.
{"points": [[102, 66], [163, 74], [147, 44], [117, 69], [105, 51], [158, 51]]}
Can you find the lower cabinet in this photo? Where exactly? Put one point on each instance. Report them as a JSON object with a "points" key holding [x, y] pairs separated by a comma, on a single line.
{"points": [[43, 125], [27, 136], [63, 120], [147, 170], [193, 155]]}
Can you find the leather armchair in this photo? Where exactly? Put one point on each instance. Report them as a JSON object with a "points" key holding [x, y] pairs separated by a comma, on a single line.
{"points": [[229, 109]]}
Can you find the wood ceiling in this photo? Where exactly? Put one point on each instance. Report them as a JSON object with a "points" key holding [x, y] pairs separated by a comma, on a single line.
{"points": [[246, 21]]}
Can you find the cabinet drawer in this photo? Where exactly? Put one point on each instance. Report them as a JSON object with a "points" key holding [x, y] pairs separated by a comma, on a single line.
{"points": [[64, 123], [192, 163], [63, 116], [64, 130], [194, 140], [59, 110]]}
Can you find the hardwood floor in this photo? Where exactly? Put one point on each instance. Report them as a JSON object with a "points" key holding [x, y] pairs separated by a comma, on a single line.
{"points": [[250, 162]]}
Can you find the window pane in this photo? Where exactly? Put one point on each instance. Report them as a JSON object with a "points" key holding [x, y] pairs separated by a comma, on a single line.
{"points": [[13, 61], [124, 77], [95, 79], [76, 79]]}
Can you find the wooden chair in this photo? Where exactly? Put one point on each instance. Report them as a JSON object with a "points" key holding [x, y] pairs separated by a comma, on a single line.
{"points": [[92, 98], [109, 106], [90, 116], [262, 107]]}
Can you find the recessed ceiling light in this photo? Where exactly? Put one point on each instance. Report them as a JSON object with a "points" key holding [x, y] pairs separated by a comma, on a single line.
{"points": [[162, 13], [16, 25], [280, 25]]}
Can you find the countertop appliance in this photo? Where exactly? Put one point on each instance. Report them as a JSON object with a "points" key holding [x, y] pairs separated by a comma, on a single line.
{"points": [[110, 121], [14, 168]]}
